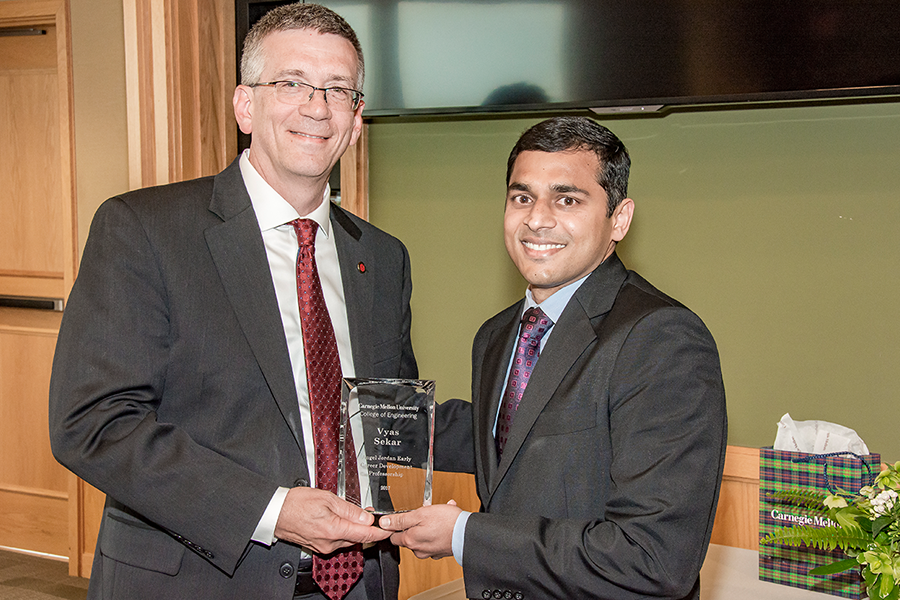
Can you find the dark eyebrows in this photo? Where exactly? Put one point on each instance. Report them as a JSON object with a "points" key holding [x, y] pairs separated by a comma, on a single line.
{"points": [[558, 188], [561, 188]]}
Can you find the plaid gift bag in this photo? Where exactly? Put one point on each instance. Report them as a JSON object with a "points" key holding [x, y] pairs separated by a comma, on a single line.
{"points": [[783, 470]]}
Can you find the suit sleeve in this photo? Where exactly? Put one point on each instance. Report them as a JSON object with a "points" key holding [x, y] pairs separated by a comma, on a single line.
{"points": [[409, 369], [454, 445], [111, 369], [667, 430]]}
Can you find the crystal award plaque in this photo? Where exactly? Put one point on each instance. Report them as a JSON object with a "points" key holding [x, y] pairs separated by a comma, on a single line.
{"points": [[391, 425]]}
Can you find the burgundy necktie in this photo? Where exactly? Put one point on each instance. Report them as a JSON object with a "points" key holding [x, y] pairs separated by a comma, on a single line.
{"points": [[337, 572], [534, 325]]}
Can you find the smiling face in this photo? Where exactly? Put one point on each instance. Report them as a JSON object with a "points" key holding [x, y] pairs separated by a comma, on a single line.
{"points": [[294, 148], [555, 224]]}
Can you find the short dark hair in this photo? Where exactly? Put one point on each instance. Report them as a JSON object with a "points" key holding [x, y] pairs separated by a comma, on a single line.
{"points": [[561, 134], [295, 16]]}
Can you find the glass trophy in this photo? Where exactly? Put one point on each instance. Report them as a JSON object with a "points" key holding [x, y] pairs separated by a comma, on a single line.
{"points": [[390, 423]]}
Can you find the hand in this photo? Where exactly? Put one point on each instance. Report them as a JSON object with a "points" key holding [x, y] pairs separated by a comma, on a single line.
{"points": [[322, 522], [427, 531]]}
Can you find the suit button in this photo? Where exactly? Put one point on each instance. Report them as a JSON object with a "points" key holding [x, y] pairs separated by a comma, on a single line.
{"points": [[486, 594], [519, 596], [498, 595], [286, 570], [508, 595], [301, 483]]}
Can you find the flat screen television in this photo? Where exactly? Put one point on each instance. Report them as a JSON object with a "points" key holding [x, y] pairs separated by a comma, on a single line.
{"points": [[478, 56]]}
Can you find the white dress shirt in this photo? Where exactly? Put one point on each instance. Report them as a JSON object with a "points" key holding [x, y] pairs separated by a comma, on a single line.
{"points": [[274, 215]]}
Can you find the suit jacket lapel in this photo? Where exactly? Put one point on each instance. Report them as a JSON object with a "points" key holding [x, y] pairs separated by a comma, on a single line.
{"points": [[569, 338], [358, 289], [239, 254], [497, 353]]}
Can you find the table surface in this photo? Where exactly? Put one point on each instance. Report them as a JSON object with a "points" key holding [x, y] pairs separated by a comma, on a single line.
{"points": [[733, 574], [727, 574]]}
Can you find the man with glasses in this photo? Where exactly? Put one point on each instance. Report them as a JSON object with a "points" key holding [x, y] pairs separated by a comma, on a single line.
{"points": [[196, 379]]}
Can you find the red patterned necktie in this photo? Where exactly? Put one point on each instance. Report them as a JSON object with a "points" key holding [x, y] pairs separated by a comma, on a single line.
{"points": [[534, 325], [337, 572]]}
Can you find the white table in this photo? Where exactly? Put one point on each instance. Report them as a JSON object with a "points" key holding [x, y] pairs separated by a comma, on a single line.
{"points": [[733, 574]]}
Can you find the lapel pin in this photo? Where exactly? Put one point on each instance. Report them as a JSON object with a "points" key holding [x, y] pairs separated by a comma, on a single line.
{"points": [[361, 267]]}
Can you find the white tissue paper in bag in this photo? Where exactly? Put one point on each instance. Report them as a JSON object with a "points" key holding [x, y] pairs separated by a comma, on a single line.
{"points": [[817, 437]]}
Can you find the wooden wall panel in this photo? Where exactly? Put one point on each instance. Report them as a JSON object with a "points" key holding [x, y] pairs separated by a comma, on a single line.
{"points": [[33, 486], [217, 71], [29, 52], [419, 575], [737, 516], [31, 230], [22, 284], [354, 168], [87, 512], [34, 520], [25, 359], [180, 80], [36, 125]]}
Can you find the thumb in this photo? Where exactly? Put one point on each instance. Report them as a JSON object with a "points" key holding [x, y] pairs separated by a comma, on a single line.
{"points": [[394, 522], [351, 512]]}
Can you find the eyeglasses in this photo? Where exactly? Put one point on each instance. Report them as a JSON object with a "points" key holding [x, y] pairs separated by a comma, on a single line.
{"points": [[298, 93]]}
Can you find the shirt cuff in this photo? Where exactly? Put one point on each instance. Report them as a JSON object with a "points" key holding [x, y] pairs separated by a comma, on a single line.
{"points": [[459, 536], [265, 530]]}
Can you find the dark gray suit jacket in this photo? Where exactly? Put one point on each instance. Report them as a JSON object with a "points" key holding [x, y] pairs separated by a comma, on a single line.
{"points": [[609, 480], [172, 389]]}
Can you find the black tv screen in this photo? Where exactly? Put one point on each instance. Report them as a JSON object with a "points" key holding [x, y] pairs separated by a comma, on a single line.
{"points": [[469, 56]]}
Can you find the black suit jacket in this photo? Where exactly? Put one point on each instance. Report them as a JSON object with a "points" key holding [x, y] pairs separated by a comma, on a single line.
{"points": [[608, 483], [172, 389]]}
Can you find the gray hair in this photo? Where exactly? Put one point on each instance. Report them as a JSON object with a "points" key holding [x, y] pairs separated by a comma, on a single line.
{"points": [[295, 16]]}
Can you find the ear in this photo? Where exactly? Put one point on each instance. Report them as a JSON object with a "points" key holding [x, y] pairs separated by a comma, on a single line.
{"points": [[621, 219], [243, 110], [357, 123]]}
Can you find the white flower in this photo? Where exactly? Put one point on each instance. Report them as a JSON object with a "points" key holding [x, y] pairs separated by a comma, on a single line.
{"points": [[884, 502]]}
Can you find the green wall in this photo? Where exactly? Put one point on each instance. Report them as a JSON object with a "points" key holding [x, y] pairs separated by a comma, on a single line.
{"points": [[777, 225]]}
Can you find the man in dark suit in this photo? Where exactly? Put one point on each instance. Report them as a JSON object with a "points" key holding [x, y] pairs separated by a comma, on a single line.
{"points": [[599, 470], [183, 382]]}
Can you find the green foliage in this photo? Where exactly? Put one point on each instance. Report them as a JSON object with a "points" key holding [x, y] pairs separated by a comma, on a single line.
{"points": [[823, 538], [837, 567]]}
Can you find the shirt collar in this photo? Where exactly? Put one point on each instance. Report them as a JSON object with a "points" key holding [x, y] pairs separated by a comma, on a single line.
{"points": [[271, 209], [557, 302]]}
